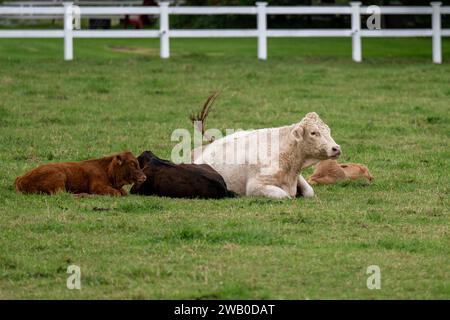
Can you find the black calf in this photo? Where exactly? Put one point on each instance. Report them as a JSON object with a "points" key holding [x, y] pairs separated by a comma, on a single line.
{"points": [[167, 179]]}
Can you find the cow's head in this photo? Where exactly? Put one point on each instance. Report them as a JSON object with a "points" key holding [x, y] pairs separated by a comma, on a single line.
{"points": [[146, 158], [124, 169], [315, 139], [148, 162], [356, 170]]}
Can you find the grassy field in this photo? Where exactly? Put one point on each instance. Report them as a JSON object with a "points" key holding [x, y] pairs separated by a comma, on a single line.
{"points": [[390, 112]]}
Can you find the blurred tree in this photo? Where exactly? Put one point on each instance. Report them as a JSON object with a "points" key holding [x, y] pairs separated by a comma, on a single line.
{"points": [[239, 21], [298, 21]]}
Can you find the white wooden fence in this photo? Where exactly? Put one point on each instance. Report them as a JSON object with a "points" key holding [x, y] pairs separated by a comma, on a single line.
{"points": [[261, 10]]}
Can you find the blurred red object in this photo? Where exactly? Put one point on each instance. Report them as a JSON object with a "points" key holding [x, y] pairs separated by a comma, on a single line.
{"points": [[139, 21]]}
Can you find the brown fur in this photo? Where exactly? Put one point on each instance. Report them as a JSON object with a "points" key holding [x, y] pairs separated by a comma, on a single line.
{"points": [[330, 171], [103, 176]]}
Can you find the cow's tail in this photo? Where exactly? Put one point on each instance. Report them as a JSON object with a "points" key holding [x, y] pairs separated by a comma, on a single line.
{"points": [[18, 184], [199, 119]]}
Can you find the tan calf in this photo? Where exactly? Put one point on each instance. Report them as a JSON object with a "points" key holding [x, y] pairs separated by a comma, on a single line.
{"points": [[330, 171]]}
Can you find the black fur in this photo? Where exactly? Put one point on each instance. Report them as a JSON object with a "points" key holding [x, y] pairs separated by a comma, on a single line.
{"points": [[167, 179]]}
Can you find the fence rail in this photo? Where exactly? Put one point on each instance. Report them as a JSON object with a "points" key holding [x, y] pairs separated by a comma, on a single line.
{"points": [[68, 12]]}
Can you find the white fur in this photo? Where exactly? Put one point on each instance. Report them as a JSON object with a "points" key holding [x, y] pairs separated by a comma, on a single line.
{"points": [[277, 175]]}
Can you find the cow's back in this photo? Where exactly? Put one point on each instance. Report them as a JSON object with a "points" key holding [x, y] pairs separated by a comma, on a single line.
{"points": [[237, 170], [182, 181]]}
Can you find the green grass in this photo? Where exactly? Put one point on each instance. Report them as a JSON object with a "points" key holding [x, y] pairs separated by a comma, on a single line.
{"points": [[390, 112]]}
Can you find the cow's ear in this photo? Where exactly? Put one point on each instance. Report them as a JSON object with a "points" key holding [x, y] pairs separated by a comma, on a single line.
{"points": [[297, 132], [119, 159], [140, 160]]}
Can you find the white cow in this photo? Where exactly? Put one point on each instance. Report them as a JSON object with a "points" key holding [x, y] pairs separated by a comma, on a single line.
{"points": [[267, 162]]}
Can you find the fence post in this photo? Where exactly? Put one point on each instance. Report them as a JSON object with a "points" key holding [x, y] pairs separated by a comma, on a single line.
{"points": [[164, 29], [262, 30], [356, 31], [436, 24], [68, 31]]}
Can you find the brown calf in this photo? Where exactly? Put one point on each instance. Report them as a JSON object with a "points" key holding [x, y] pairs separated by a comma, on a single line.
{"points": [[104, 176], [330, 171]]}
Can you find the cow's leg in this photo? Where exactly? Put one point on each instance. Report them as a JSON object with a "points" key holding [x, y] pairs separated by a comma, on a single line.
{"points": [[97, 188], [323, 180], [303, 188], [256, 189]]}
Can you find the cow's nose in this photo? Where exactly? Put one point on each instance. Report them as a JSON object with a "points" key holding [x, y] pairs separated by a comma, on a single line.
{"points": [[336, 150]]}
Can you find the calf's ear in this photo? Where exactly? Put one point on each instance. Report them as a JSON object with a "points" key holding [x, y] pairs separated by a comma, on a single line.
{"points": [[143, 160], [118, 159], [297, 132]]}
